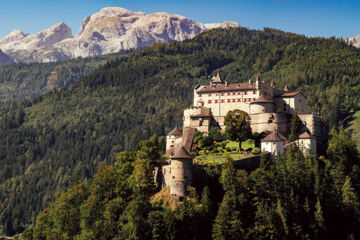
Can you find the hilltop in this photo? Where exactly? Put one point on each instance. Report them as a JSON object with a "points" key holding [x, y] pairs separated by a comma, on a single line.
{"points": [[45, 142]]}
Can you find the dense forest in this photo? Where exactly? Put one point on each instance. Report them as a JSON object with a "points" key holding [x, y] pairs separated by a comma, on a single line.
{"points": [[70, 132], [27, 81], [293, 197]]}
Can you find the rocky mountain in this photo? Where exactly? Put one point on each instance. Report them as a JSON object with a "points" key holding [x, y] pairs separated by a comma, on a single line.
{"points": [[5, 59], [355, 41], [108, 31]]}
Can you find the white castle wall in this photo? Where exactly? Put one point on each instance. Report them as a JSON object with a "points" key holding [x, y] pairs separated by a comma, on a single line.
{"points": [[273, 147]]}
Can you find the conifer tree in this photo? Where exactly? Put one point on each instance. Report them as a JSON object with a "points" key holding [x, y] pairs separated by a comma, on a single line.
{"points": [[295, 127]]}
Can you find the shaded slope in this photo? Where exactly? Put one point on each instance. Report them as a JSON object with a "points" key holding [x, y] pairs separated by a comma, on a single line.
{"points": [[26, 81]]}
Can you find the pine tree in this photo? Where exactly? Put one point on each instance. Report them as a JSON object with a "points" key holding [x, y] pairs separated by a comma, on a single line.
{"points": [[295, 127]]}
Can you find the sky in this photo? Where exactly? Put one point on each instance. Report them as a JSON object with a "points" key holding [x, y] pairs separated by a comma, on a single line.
{"points": [[326, 18]]}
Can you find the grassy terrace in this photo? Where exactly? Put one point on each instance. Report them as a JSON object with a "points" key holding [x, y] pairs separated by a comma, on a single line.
{"points": [[219, 154]]}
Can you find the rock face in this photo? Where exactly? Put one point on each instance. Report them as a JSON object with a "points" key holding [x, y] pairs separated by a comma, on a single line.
{"points": [[5, 59], [17, 40], [355, 41], [108, 31]]}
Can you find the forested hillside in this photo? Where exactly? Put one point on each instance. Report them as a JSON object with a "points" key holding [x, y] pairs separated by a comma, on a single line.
{"points": [[46, 142], [26, 81], [293, 197]]}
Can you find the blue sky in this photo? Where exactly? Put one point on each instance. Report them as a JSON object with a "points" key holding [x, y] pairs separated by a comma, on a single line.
{"points": [[325, 18]]}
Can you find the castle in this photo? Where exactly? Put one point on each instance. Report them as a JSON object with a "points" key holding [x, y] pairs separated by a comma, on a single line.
{"points": [[270, 110]]}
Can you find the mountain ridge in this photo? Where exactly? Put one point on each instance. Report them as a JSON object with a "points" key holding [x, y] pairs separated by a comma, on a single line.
{"points": [[110, 30]]}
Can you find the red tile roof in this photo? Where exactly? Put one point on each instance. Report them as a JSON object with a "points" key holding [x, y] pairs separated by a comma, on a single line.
{"points": [[188, 138], [290, 94], [227, 88], [306, 135], [205, 112], [274, 137], [175, 132], [181, 153]]}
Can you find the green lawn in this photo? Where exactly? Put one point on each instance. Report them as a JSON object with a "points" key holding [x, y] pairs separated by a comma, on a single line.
{"points": [[244, 145], [218, 158], [206, 157]]}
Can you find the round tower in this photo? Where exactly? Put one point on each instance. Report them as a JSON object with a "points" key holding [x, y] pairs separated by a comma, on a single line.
{"points": [[262, 105], [172, 138], [181, 167]]}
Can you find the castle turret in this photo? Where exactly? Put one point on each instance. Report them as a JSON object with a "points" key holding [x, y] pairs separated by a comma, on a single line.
{"points": [[181, 172], [173, 139], [262, 105]]}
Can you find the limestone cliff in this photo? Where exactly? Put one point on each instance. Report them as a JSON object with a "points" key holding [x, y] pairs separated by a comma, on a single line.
{"points": [[110, 30]]}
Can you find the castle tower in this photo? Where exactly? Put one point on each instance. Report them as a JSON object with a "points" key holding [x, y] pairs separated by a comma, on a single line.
{"points": [[173, 138], [181, 167], [307, 142], [262, 105]]}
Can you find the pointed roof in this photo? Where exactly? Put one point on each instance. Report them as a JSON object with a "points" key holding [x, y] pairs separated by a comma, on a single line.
{"points": [[175, 132], [306, 135], [217, 78], [181, 153], [274, 137], [290, 94], [263, 99]]}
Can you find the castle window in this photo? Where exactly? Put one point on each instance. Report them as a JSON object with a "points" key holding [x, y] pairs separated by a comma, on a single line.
{"points": [[199, 95], [216, 101], [245, 93], [234, 100], [221, 94], [222, 100], [239, 99], [229, 100], [209, 101], [229, 93], [238, 93], [173, 177], [209, 94], [254, 92], [254, 99], [234, 93]]}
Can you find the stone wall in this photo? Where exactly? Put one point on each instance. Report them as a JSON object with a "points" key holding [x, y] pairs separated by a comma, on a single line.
{"points": [[270, 122], [256, 108], [318, 128], [172, 141]]}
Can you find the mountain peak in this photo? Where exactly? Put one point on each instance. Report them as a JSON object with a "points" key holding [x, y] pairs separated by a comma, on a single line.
{"points": [[110, 30]]}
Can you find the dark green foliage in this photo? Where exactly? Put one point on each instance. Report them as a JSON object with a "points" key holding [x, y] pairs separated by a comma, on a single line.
{"points": [[74, 131], [293, 197], [237, 124], [26, 81], [295, 127]]}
